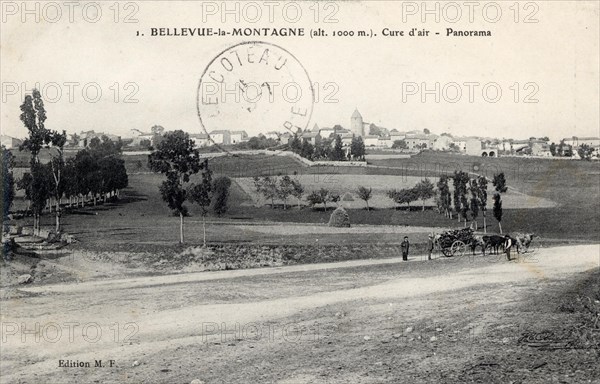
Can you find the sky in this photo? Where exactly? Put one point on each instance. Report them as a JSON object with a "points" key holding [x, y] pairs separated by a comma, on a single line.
{"points": [[146, 81]]}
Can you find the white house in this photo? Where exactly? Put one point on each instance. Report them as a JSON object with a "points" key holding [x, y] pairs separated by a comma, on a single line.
{"points": [[10, 142], [221, 136], [443, 143], [200, 139], [371, 141], [474, 147], [137, 136], [311, 137], [238, 137]]}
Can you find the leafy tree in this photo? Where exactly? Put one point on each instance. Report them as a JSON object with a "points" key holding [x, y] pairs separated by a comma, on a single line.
{"points": [[8, 182], [475, 203], [296, 144], [322, 196], [498, 209], [298, 191], [338, 151], [307, 150], [322, 149], [444, 195], [403, 196], [33, 116], [461, 205], [286, 188], [176, 157], [357, 148], [483, 197], [400, 144], [221, 188], [585, 152], [553, 149], [426, 131], [201, 194], [424, 190], [38, 188], [365, 195], [499, 182], [268, 187]]}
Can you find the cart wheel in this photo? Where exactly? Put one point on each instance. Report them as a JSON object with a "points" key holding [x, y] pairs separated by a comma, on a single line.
{"points": [[447, 252], [458, 248]]}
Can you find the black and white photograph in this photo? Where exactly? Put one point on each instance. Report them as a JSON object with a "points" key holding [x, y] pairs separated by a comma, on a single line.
{"points": [[300, 192]]}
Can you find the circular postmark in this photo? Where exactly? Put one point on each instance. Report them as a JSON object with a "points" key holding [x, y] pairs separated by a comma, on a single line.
{"points": [[254, 88]]}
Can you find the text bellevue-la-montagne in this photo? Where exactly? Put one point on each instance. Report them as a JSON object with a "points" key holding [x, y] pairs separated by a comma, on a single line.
{"points": [[207, 32]]}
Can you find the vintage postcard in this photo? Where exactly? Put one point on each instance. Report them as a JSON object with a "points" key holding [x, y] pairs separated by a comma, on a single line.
{"points": [[299, 192]]}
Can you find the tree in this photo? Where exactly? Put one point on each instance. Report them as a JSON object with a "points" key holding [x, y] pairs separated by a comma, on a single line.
{"points": [[307, 150], [444, 195], [585, 152], [400, 144], [338, 151], [498, 209], [176, 158], [33, 116], [298, 191], [475, 203], [483, 197], [403, 196], [8, 182], [499, 182], [461, 204], [424, 190], [201, 194], [268, 187], [38, 188], [322, 149], [426, 131], [365, 195], [295, 144], [221, 188], [357, 148], [286, 188], [322, 196], [57, 163]]}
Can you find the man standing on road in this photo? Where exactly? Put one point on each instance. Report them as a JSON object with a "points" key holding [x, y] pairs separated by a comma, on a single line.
{"points": [[404, 246], [430, 246], [508, 243]]}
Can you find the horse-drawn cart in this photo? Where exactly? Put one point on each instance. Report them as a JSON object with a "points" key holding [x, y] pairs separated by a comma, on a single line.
{"points": [[455, 242]]}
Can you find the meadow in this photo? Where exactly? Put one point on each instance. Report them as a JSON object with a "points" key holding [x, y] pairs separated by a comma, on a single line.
{"points": [[143, 219]]}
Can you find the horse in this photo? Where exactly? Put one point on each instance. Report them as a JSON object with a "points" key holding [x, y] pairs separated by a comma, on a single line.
{"points": [[523, 240], [478, 242], [494, 242]]}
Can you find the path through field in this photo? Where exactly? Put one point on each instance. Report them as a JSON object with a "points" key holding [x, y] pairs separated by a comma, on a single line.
{"points": [[140, 322]]}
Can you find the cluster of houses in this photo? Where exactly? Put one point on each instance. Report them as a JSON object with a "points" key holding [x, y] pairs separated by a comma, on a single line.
{"points": [[373, 136]]}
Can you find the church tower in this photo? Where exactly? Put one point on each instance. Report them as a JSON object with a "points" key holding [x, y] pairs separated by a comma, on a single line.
{"points": [[356, 124]]}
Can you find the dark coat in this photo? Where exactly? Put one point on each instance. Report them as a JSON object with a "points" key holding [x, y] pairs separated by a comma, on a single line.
{"points": [[404, 246]]}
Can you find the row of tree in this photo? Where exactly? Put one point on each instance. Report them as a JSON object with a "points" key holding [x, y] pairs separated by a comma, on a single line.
{"points": [[331, 149], [272, 187], [470, 197], [98, 172], [422, 191]]}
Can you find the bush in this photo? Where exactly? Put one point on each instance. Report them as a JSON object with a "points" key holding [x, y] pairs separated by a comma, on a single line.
{"points": [[339, 218]]}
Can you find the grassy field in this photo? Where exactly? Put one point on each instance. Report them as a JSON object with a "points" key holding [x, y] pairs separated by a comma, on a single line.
{"points": [[141, 217]]}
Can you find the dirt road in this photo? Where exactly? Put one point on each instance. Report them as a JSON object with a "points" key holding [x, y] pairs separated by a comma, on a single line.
{"points": [[133, 322]]}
